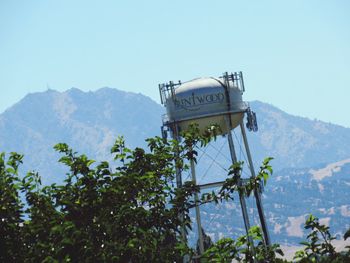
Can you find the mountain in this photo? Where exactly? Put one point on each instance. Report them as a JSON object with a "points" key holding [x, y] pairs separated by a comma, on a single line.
{"points": [[88, 121], [311, 157], [295, 141], [290, 196], [295, 193], [91, 121]]}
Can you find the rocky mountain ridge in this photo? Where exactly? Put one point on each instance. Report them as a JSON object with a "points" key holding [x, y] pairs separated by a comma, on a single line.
{"points": [[311, 157]]}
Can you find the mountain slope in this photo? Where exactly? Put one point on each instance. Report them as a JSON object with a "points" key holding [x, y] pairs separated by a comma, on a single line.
{"points": [[88, 121], [290, 196], [91, 121], [310, 157], [295, 141]]}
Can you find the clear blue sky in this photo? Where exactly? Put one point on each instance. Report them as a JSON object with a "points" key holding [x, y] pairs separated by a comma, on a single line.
{"points": [[294, 54]]}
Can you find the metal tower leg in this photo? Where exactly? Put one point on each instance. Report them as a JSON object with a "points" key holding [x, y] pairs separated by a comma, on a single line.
{"points": [[256, 191], [176, 137], [198, 215], [241, 195]]}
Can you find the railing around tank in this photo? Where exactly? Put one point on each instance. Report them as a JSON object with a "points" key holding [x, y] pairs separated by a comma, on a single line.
{"points": [[236, 78], [167, 90]]}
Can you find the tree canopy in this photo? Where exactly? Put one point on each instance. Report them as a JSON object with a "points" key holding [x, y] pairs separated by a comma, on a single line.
{"points": [[128, 211]]}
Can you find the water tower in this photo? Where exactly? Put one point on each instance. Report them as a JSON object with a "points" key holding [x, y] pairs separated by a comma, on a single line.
{"points": [[208, 101]]}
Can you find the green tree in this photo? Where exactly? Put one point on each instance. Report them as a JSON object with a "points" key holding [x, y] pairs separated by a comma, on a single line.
{"points": [[11, 209], [318, 247], [227, 249], [128, 211]]}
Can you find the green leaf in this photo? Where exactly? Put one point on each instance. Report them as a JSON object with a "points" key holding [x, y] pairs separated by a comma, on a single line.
{"points": [[10, 170], [304, 243], [266, 176]]}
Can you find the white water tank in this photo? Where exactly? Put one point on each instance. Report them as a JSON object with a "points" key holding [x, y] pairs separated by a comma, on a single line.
{"points": [[206, 101]]}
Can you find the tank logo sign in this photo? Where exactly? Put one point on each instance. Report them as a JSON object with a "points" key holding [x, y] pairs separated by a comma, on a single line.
{"points": [[194, 102]]}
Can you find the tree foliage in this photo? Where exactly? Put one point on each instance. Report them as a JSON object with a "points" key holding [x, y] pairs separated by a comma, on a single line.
{"points": [[127, 211], [318, 247], [227, 249]]}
